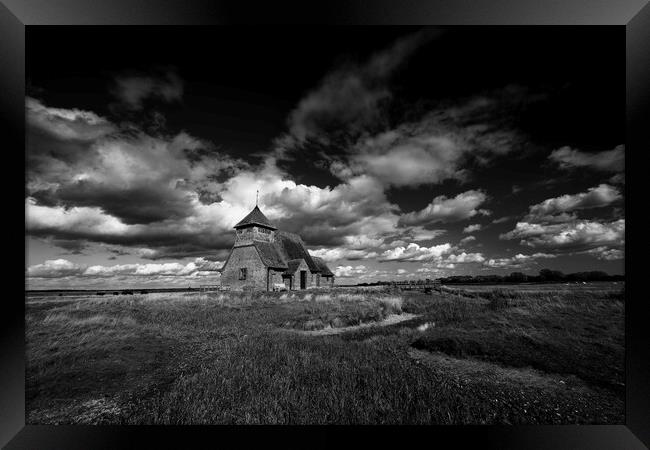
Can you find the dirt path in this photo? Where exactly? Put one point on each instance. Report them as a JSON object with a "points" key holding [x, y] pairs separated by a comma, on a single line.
{"points": [[390, 320]]}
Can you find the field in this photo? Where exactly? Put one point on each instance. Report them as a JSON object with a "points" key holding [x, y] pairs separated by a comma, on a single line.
{"points": [[468, 356]]}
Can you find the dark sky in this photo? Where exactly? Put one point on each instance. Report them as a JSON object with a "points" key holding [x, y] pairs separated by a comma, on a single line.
{"points": [[380, 145]]}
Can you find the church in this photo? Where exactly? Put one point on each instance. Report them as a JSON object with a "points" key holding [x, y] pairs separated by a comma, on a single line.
{"points": [[265, 258]]}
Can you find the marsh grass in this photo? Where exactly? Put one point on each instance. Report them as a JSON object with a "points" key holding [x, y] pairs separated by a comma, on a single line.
{"points": [[223, 357]]}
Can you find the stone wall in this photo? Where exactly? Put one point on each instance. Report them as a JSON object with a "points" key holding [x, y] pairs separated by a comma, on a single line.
{"points": [[244, 257]]}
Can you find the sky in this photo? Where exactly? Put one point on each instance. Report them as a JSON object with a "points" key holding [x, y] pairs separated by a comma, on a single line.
{"points": [[396, 153]]}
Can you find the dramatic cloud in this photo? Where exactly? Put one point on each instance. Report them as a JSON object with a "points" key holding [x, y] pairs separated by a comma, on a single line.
{"points": [[596, 197], [574, 234], [607, 161], [133, 89], [445, 210], [66, 124], [438, 145], [174, 196], [345, 174], [349, 99]]}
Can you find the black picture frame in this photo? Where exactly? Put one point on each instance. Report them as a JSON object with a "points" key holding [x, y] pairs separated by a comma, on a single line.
{"points": [[15, 15]]}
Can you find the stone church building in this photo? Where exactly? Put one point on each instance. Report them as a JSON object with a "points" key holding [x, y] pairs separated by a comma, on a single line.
{"points": [[264, 258]]}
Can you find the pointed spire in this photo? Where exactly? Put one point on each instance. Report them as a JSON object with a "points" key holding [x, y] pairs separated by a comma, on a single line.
{"points": [[255, 217]]}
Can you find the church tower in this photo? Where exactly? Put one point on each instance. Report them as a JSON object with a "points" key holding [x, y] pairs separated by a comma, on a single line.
{"points": [[254, 227]]}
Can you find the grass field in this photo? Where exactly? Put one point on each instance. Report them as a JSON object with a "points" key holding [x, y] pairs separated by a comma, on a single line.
{"points": [[511, 356]]}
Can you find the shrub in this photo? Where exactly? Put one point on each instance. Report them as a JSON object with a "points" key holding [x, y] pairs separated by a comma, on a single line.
{"points": [[391, 305]]}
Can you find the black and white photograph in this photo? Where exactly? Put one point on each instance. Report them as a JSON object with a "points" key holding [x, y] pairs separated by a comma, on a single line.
{"points": [[297, 225]]}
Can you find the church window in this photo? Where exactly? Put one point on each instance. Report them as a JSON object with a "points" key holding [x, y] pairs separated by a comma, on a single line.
{"points": [[242, 273]]}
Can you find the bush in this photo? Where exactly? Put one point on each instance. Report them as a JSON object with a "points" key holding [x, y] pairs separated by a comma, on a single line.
{"points": [[391, 305]]}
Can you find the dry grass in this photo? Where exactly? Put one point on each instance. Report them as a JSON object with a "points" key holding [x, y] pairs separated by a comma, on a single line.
{"points": [[220, 358]]}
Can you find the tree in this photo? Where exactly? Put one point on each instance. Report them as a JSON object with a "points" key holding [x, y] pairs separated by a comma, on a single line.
{"points": [[517, 277], [551, 275]]}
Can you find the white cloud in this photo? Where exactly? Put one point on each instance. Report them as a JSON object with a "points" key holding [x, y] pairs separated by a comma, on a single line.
{"points": [[472, 228], [596, 197], [63, 268], [568, 235], [401, 159], [462, 258], [337, 254], [445, 210], [413, 252], [467, 239], [606, 254], [516, 261], [349, 271], [66, 124], [502, 219], [54, 268], [606, 161]]}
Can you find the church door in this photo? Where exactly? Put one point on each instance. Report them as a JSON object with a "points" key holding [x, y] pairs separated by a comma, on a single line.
{"points": [[303, 279]]}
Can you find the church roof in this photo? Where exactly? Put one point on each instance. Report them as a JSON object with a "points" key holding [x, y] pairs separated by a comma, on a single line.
{"points": [[270, 255], [324, 270], [292, 266], [292, 247], [255, 217]]}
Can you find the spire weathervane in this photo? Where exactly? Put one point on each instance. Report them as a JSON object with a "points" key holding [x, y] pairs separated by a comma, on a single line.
{"points": [[257, 196]]}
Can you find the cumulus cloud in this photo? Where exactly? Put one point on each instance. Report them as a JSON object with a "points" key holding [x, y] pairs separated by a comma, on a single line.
{"points": [[61, 268], [336, 254], [516, 261], [445, 210], [467, 239], [408, 157], [574, 234], [176, 196], [414, 252], [347, 122], [133, 89], [596, 197], [607, 161], [472, 228], [349, 271], [54, 268]]}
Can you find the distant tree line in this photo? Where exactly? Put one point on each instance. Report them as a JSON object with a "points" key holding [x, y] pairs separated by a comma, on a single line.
{"points": [[544, 276]]}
